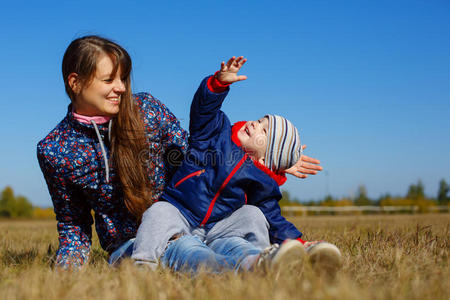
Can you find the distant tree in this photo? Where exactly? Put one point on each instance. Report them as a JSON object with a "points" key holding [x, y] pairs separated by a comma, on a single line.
{"points": [[416, 191], [385, 199], [361, 196], [310, 203], [443, 198], [343, 202], [23, 207], [7, 202], [12, 207], [328, 201]]}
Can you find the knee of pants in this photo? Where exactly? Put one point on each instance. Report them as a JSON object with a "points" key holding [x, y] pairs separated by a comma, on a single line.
{"points": [[163, 216], [159, 224], [258, 227], [188, 253], [159, 209], [255, 217]]}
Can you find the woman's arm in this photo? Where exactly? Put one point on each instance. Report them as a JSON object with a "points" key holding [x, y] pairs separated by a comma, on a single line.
{"points": [[172, 133], [73, 216], [172, 137]]}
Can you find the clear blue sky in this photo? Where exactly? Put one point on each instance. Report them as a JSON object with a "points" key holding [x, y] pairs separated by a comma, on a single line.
{"points": [[368, 82]]}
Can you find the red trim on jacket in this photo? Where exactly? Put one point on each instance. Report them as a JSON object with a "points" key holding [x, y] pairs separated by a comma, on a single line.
{"points": [[196, 173], [215, 85], [224, 184], [280, 178], [301, 241], [234, 132]]}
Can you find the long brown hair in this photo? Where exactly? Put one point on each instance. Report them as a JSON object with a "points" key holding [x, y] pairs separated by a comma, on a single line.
{"points": [[128, 138]]}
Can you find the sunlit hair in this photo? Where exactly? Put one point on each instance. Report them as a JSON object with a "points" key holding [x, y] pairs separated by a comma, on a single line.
{"points": [[127, 135]]}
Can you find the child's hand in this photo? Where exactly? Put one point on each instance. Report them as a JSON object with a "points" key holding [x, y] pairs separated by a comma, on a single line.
{"points": [[228, 71], [304, 166]]}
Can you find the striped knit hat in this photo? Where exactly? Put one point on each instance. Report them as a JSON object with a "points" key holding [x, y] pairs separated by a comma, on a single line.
{"points": [[283, 144]]}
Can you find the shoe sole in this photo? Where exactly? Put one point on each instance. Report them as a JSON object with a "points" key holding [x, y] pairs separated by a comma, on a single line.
{"points": [[290, 257], [325, 258]]}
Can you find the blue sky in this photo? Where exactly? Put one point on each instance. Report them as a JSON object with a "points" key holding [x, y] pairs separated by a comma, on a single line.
{"points": [[367, 82]]}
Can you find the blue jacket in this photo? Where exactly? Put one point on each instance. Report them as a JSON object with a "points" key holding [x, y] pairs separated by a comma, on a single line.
{"points": [[217, 177], [74, 166]]}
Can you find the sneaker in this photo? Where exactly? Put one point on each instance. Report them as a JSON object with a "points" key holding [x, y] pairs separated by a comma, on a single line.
{"points": [[324, 257], [287, 258]]}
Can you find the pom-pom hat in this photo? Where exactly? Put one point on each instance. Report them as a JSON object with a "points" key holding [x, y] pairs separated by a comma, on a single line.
{"points": [[283, 144]]}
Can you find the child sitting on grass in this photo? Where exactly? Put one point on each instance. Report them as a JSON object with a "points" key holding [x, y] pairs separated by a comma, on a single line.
{"points": [[225, 168]]}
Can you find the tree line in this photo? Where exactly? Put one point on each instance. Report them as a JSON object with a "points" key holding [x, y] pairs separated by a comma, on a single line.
{"points": [[415, 195], [12, 206]]}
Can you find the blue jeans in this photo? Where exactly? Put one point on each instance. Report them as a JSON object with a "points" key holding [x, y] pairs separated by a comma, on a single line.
{"points": [[125, 250], [189, 254]]}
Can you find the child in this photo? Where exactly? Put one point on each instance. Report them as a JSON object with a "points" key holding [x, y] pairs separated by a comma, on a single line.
{"points": [[225, 168]]}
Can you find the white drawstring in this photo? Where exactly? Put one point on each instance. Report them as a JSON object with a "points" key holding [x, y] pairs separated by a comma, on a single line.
{"points": [[102, 146]]}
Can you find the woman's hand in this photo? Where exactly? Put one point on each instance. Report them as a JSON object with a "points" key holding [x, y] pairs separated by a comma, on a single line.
{"points": [[304, 166], [228, 72]]}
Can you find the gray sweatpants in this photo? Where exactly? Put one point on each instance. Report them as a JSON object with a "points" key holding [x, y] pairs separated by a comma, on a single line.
{"points": [[162, 221]]}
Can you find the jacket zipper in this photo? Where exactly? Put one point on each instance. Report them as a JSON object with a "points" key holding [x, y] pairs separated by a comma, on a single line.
{"points": [[224, 184], [197, 173]]}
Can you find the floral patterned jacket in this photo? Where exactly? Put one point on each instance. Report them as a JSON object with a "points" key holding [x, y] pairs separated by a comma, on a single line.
{"points": [[73, 164]]}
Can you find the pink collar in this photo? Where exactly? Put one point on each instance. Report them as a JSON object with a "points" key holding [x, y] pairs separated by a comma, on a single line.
{"points": [[87, 119]]}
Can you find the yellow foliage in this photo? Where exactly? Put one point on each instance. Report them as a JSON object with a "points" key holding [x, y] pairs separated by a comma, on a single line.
{"points": [[422, 203], [43, 213], [343, 202]]}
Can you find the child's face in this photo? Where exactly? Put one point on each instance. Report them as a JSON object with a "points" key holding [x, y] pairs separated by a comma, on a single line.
{"points": [[253, 137]]}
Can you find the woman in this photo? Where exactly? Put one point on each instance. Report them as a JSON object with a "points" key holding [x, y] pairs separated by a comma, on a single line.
{"points": [[112, 153]]}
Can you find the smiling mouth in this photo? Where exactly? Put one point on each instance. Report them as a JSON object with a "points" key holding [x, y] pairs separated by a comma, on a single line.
{"points": [[114, 100]]}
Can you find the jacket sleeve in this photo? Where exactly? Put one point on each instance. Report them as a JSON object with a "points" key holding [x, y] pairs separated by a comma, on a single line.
{"points": [[73, 216], [265, 196], [206, 118], [280, 229], [173, 137]]}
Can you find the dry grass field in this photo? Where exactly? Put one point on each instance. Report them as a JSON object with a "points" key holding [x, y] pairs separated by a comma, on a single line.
{"points": [[385, 257]]}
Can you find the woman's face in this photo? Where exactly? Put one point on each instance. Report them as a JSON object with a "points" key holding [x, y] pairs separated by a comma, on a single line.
{"points": [[101, 96]]}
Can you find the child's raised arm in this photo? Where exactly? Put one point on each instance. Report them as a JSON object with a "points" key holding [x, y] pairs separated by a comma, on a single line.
{"points": [[228, 72]]}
